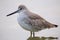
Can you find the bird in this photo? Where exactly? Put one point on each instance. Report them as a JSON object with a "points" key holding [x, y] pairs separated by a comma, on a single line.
{"points": [[31, 21]]}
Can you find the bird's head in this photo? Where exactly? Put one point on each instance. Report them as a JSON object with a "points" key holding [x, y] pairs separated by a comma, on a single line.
{"points": [[20, 8]]}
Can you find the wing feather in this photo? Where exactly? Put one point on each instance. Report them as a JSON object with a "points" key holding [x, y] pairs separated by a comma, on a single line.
{"points": [[37, 22]]}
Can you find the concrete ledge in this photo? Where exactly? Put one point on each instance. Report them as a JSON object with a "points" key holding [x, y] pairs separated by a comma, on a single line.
{"points": [[42, 38], [34, 38]]}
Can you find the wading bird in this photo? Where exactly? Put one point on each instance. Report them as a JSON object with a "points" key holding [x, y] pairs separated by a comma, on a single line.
{"points": [[31, 21]]}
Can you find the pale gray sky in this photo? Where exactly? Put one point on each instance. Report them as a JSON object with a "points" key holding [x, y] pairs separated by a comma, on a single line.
{"points": [[9, 27]]}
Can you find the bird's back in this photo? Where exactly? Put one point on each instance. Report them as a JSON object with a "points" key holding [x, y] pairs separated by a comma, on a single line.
{"points": [[39, 22], [33, 22]]}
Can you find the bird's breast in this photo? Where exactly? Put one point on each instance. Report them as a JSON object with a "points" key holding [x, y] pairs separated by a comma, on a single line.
{"points": [[21, 21], [21, 18]]}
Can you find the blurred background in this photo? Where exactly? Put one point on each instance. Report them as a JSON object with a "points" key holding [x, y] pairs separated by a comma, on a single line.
{"points": [[11, 30]]}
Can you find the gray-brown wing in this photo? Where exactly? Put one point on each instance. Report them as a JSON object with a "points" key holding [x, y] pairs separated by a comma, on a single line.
{"points": [[38, 22]]}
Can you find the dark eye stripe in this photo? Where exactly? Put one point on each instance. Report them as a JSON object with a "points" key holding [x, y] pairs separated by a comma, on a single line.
{"points": [[20, 8]]}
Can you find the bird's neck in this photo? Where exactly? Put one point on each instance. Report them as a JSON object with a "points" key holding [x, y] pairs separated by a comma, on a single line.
{"points": [[22, 13]]}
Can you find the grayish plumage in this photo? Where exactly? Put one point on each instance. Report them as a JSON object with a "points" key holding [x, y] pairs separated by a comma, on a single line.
{"points": [[31, 21]]}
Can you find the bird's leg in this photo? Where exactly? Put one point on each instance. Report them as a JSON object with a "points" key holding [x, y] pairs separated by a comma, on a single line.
{"points": [[33, 34], [30, 33]]}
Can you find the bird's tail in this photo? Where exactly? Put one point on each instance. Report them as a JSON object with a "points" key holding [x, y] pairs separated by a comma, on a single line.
{"points": [[56, 25]]}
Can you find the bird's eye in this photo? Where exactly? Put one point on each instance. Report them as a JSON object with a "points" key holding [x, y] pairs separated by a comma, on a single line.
{"points": [[20, 8]]}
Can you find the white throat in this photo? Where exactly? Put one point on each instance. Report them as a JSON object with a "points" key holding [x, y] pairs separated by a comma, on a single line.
{"points": [[22, 14]]}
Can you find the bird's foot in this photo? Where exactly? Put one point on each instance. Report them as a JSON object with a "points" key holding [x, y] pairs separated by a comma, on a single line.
{"points": [[33, 38]]}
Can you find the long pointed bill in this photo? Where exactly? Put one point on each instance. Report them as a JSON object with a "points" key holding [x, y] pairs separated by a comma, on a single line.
{"points": [[13, 13]]}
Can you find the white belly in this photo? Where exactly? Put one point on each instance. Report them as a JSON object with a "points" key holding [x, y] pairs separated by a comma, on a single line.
{"points": [[22, 23]]}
